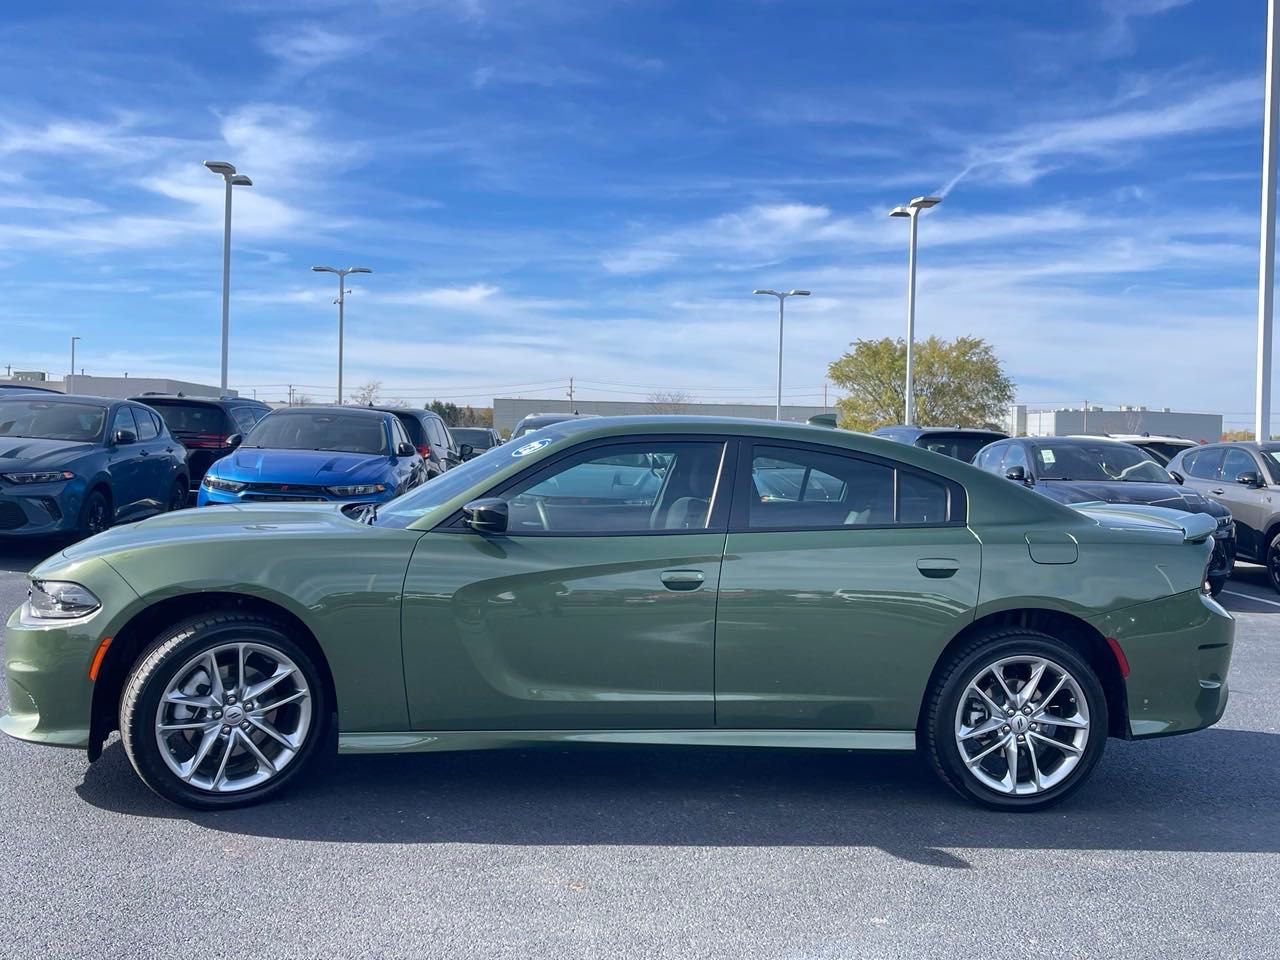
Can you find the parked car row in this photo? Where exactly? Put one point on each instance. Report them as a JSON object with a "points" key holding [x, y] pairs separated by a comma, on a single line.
{"points": [[77, 465]]}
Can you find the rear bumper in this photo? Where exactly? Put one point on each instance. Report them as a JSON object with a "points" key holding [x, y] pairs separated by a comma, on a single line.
{"points": [[1179, 652]]}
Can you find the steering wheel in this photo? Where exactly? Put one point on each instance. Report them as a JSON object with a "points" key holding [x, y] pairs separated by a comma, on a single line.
{"points": [[541, 504]]}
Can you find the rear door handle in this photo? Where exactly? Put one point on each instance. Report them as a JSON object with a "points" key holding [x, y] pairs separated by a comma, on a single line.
{"points": [[1219, 491], [937, 568], [682, 579]]}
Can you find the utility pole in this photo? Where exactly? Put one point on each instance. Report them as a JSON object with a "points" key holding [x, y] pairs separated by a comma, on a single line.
{"points": [[571, 392], [824, 395], [291, 394], [1084, 428]]}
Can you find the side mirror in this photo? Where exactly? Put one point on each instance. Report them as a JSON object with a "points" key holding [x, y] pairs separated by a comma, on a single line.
{"points": [[406, 449], [488, 515], [1017, 474], [466, 451], [1249, 478], [123, 436], [1177, 477], [234, 440]]}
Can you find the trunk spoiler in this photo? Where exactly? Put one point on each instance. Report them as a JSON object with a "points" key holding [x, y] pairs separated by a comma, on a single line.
{"points": [[1195, 527]]}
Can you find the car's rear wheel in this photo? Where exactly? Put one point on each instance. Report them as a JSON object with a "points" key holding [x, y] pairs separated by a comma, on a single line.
{"points": [[178, 495], [1016, 721], [223, 711], [95, 515], [1216, 584]]}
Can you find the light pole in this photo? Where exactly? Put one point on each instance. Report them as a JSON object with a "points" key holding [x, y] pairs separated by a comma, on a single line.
{"points": [[231, 179], [342, 283], [1267, 250], [782, 299], [73, 363], [912, 210]]}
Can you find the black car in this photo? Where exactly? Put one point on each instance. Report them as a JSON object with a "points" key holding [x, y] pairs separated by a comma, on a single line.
{"points": [[205, 425], [536, 421], [1090, 469], [76, 465], [480, 439], [959, 443], [430, 436]]}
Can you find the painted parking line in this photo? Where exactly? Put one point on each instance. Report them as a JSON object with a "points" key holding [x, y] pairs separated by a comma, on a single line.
{"points": [[1249, 596]]}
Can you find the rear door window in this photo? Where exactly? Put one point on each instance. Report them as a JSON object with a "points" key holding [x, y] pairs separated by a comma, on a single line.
{"points": [[146, 426], [1203, 464], [245, 418], [194, 419]]}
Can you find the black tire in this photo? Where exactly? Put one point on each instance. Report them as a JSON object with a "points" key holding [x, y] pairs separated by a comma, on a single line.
{"points": [[1272, 563], [1216, 584], [95, 514], [178, 495], [944, 702], [171, 653]]}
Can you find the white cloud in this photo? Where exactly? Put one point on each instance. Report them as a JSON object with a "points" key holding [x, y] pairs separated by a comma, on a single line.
{"points": [[306, 46]]}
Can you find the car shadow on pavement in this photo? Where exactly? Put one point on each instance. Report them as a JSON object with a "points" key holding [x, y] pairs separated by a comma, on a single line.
{"points": [[1198, 793]]}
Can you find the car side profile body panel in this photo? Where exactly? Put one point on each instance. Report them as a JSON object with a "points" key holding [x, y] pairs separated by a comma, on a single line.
{"points": [[435, 634]]}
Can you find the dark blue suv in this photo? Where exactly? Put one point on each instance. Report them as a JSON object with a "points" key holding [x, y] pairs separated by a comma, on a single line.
{"points": [[79, 464]]}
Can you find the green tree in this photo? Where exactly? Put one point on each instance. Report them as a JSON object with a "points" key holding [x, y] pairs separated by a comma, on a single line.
{"points": [[957, 383]]}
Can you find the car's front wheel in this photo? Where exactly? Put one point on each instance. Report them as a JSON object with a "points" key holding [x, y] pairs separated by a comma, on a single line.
{"points": [[1017, 720], [223, 710], [1273, 562]]}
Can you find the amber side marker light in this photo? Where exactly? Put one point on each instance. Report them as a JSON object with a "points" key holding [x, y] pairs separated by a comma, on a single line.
{"points": [[97, 658], [1121, 660]]}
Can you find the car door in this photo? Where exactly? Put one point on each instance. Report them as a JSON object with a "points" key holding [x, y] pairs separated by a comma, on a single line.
{"points": [[844, 578], [1250, 506], [408, 470], [125, 464], [594, 610], [441, 444], [156, 470]]}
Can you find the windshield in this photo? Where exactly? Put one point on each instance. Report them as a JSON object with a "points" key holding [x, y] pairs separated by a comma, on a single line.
{"points": [[960, 446], [407, 508], [340, 432], [42, 420], [1102, 461], [476, 436]]}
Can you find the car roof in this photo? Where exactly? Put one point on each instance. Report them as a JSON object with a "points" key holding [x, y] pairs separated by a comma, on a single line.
{"points": [[65, 398], [182, 398], [401, 411], [924, 431], [1153, 437], [333, 408], [1076, 440]]}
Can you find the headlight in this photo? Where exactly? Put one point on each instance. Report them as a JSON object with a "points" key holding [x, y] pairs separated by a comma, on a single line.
{"points": [[227, 486], [50, 476], [60, 600], [357, 489]]}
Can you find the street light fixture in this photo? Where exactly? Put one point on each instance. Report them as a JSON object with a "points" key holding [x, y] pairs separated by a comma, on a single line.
{"points": [[782, 299], [231, 179], [342, 292], [912, 210], [73, 363]]}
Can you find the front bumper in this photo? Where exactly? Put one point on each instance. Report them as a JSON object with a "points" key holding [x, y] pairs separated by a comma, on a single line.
{"points": [[47, 662], [1179, 652], [40, 509]]}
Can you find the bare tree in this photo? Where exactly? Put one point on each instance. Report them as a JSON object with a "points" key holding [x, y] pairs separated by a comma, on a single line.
{"points": [[670, 401], [302, 400], [367, 393]]}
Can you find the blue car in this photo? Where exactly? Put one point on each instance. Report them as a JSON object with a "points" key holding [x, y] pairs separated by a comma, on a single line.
{"points": [[79, 464], [300, 454]]}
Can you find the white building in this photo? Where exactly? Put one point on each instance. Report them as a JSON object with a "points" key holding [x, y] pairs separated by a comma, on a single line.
{"points": [[1075, 421], [508, 411], [115, 387]]}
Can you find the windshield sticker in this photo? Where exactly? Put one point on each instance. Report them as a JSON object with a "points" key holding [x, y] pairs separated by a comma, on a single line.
{"points": [[1047, 458], [529, 448]]}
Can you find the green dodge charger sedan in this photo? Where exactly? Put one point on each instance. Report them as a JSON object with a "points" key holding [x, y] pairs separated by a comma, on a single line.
{"points": [[657, 580]]}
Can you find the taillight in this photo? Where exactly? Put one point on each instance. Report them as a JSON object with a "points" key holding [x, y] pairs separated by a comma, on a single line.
{"points": [[424, 450], [204, 441]]}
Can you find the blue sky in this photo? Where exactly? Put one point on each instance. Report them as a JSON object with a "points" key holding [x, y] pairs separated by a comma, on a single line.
{"points": [[556, 188]]}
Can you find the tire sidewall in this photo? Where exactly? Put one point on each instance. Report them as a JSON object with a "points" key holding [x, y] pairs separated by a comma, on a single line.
{"points": [[146, 685], [942, 733], [94, 496], [1272, 548]]}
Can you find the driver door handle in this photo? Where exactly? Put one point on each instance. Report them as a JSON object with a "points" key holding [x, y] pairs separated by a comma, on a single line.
{"points": [[1219, 491], [682, 579]]}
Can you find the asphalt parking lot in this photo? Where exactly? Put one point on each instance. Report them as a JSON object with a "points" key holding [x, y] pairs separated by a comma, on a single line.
{"points": [[1173, 850]]}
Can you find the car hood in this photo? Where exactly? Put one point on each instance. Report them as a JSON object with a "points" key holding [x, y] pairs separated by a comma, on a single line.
{"points": [[20, 453], [1156, 494], [317, 467], [240, 521]]}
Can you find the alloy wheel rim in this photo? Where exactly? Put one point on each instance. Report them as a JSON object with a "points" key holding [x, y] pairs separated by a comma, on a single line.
{"points": [[1273, 566], [233, 717], [1022, 725], [97, 516], [178, 499]]}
